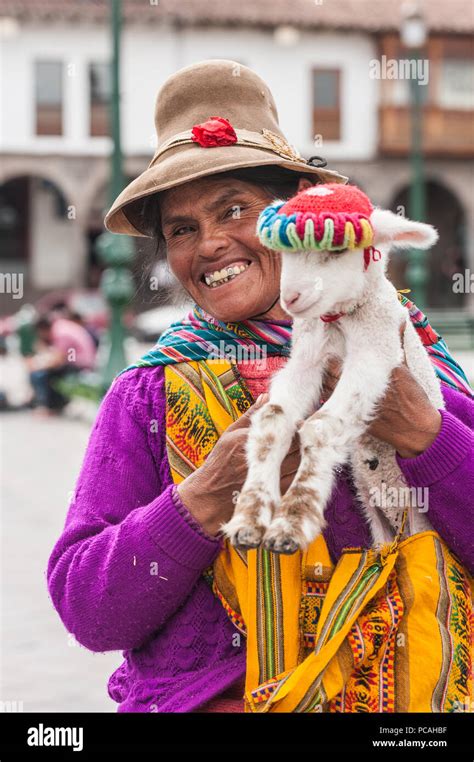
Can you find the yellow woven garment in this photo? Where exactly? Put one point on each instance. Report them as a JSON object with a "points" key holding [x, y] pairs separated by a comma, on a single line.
{"points": [[375, 633]]}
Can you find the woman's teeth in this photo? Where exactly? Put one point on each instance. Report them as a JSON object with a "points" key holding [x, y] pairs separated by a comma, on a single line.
{"points": [[228, 273]]}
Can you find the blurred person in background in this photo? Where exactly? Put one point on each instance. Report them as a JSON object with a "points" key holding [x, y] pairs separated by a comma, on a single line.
{"points": [[62, 310], [76, 317], [64, 346]]}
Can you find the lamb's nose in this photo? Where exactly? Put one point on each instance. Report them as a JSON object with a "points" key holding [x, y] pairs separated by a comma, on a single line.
{"points": [[291, 299]]}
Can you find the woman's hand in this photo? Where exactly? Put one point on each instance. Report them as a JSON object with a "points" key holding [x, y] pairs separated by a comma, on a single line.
{"points": [[407, 419], [210, 492]]}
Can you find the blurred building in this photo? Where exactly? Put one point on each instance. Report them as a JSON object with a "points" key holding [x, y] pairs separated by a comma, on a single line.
{"points": [[317, 56]]}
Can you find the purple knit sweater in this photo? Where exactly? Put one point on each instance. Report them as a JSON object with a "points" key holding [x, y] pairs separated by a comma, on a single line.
{"points": [[125, 573]]}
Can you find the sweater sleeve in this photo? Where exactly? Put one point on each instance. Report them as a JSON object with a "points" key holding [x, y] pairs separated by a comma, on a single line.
{"points": [[446, 469], [129, 553]]}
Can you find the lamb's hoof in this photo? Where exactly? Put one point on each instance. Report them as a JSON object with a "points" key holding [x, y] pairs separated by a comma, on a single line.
{"points": [[285, 545], [248, 538], [290, 534], [253, 514], [281, 537], [242, 533]]}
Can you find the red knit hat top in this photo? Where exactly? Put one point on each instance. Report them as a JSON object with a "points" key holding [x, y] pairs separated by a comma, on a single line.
{"points": [[331, 197], [328, 217]]}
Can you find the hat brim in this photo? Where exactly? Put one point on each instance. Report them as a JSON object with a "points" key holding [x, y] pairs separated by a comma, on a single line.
{"points": [[189, 162]]}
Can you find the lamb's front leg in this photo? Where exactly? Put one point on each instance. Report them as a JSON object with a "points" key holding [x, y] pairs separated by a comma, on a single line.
{"points": [[271, 431], [326, 438]]}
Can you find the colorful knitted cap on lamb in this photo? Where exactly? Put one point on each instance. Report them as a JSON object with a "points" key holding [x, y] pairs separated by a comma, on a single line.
{"points": [[329, 217]]}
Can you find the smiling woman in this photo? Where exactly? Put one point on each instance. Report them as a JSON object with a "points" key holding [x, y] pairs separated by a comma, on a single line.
{"points": [[138, 564], [207, 226]]}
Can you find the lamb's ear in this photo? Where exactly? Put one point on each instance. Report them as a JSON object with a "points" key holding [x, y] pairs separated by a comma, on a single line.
{"points": [[401, 232]]}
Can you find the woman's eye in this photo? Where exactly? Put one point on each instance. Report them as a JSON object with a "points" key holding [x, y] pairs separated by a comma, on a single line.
{"points": [[177, 231], [234, 211]]}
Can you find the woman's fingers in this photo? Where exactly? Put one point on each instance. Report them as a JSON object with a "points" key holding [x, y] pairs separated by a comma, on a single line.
{"points": [[244, 420], [285, 481], [291, 461], [402, 339]]}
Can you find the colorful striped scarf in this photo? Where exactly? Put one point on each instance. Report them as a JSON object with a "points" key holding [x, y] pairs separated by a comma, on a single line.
{"points": [[447, 369], [200, 336]]}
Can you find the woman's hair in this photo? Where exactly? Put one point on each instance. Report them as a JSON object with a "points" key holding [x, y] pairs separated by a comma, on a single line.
{"points": [[276, 181]]}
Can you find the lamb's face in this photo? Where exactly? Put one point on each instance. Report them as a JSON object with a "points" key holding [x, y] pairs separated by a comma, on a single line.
{"points": [[315, 283]]}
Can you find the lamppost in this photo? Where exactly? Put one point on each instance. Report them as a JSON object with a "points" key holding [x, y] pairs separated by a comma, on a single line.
{"points": [[116, 251], [413, 35]]}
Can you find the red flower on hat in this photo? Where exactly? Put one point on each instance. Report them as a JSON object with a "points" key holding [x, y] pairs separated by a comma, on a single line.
{"points": [[215, 132]]}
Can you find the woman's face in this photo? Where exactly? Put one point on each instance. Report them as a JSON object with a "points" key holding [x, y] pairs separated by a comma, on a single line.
{"points": [[209, 226]]}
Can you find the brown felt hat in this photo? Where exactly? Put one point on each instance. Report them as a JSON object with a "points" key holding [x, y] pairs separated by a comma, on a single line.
{"points": [[190, 98]]}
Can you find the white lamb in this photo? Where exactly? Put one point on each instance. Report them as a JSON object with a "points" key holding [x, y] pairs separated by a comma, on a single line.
{"points": [[361, 323]]}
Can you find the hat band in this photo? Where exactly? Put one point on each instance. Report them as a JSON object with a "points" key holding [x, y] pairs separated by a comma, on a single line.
{"points": [[265, 139]]}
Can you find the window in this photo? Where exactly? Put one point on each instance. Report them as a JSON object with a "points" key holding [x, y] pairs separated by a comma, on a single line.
{"points": [[326, 104], [99, 93], [456, 84], [49, 97]]}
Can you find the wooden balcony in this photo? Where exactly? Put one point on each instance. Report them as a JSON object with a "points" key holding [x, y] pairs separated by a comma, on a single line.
{"points": [[446, 133]]}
